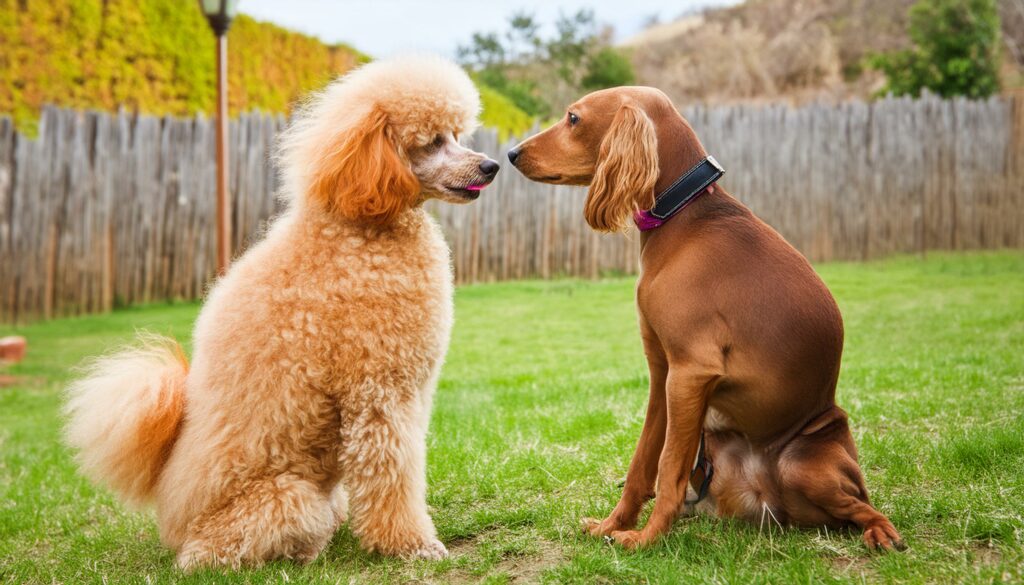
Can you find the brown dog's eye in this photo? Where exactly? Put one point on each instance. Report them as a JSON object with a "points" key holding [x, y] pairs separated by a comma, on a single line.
{"points": [[438, 141], [573, 119]]}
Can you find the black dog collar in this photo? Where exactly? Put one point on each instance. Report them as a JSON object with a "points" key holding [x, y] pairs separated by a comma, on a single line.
{"points": [[685, 189]]}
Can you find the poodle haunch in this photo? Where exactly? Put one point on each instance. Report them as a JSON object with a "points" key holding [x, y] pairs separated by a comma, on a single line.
{"points": [[316, 356]]}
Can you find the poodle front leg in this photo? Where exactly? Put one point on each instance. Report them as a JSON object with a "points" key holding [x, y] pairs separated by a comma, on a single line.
{"points": [[385, 469]]}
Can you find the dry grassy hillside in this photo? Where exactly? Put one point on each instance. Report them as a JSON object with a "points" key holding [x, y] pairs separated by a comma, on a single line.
{"points": [[794, 50]]}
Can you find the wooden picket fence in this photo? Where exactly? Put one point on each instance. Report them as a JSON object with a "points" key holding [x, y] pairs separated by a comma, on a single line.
{"points": [[107, 209]]}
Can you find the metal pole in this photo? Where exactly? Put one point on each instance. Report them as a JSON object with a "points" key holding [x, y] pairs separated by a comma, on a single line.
{"points": [[223, 202]]}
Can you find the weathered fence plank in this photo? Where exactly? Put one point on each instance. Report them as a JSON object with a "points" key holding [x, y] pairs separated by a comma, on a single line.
{"points": [[105, 209]]}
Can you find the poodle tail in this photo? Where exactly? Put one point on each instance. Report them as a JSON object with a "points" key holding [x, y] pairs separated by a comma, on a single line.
{"points": [[123, 415]]}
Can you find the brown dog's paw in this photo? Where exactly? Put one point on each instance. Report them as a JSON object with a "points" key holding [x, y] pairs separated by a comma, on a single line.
{"points": [[591, 526], [595, 527], [628, 539], [883, 536]]}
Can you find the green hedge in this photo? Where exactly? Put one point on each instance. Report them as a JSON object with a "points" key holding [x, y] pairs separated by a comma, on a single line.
{"points": [[499, 112], [153, 56]]}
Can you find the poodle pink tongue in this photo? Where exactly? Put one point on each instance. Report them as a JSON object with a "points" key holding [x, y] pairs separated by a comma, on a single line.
{"points": [[476, 186]]}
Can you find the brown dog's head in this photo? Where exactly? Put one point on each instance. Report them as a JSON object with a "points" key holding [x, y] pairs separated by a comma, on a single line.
{"points": [[614, 141]]}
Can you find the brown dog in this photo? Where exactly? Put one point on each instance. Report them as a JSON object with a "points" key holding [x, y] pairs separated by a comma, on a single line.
{"points": [[742, 338]]}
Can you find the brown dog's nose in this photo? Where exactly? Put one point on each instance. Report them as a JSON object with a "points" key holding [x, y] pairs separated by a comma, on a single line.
{"points": [[489, 167], [513, 155]]}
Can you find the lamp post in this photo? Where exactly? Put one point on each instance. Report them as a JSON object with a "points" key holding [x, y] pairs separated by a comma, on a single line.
{"points": [[219, 14]]}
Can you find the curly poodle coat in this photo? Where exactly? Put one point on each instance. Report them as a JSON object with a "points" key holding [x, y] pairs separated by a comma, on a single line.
{"points": [[316, 356]]}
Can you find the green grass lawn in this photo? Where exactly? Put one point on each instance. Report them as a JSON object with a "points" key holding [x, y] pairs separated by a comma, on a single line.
{"points": [[538, 410]]}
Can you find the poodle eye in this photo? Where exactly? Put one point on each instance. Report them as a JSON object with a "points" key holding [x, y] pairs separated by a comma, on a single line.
{"points": [[573, 119], [438, 141]]}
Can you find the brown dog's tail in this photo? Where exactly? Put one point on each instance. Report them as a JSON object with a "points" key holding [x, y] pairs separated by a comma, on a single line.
{"points": [[123, 415]]}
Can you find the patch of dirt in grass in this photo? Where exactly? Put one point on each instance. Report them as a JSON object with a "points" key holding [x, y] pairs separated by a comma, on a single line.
{"points": [[854, 566], [986, 554], [24, 382], [529, 569], [520, 567]]}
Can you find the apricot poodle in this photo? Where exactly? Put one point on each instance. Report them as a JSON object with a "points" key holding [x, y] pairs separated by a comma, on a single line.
{"points": [[316, 356]]}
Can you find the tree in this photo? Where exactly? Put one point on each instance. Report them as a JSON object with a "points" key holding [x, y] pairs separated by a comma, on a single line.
{"points": [[575, 42], [540, 75], [955, 50], [608, 68]]}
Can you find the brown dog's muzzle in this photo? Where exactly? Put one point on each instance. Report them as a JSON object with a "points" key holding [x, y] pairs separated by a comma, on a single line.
{"points": [[536, 169]]}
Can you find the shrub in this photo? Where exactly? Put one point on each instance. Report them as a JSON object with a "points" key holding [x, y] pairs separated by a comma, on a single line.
{"points": [[955, 50], [608, 68], [153, 56], [499, 112]]}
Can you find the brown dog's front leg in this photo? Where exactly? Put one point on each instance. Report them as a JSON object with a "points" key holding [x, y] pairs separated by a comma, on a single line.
{"points": [[686, 398], [643, 470]]}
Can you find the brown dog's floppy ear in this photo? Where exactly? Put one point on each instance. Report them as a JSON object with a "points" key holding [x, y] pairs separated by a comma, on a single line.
{"points": [[627, 169], [364, 176]]}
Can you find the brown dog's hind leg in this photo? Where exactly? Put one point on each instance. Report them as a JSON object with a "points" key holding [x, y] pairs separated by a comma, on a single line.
{"points": [[823, 485]]}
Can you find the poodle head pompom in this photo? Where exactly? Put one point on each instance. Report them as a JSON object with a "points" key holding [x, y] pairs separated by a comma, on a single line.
{"points": [[421, 95], [346, 149]]}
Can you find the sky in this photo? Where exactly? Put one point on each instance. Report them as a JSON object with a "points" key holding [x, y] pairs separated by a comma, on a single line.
{"points": [[384, 27]]}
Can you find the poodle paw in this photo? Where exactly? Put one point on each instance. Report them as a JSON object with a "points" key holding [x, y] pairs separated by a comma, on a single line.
{"points": [[188, 561], [431, 550]]}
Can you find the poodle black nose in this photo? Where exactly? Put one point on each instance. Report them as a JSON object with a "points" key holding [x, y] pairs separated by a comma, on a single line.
{"points": [[513, 155], [489, 167]]}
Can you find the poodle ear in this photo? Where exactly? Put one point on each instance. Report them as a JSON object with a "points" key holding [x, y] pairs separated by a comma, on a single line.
{"points": [[364, 176], [627, 169]]}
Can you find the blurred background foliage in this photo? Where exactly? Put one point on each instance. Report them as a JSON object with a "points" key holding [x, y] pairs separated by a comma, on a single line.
{"points": [[502, 113], [157, 57], [800, 51], [541, 75], [954, 51], [154, 56]]}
